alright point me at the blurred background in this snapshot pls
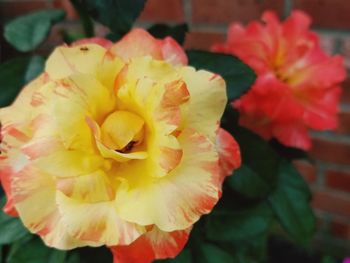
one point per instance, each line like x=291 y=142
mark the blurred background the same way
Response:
x=329 y=175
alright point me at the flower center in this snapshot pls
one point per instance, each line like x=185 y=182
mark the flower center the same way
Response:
x=122 y=130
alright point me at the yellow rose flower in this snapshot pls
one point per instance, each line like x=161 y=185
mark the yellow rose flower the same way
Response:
x=116 y=146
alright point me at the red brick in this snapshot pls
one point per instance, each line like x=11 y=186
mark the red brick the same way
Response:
x=332 y=203
x=16 y=8
x=67 y=6
x=329 y=151
x=163 y=10
x=326 y=13
x=344 y=123
x=307 y=170
x=203 y=40
x=340 y=229
x=345 y=51
x=338 y=180
x=226 y=11
x=345 y=97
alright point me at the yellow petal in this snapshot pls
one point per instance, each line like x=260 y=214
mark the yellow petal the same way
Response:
x=178 y=200
x=55 y=234
x=70 y=101
x=90 y=188
x=34 y=196
x=98 y=223
x=65 y=163
x=111 y=153
x=120 y=128
x=207 y=103
x=65 y=61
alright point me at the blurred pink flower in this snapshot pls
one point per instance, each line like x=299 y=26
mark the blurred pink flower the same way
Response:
x=297 y=86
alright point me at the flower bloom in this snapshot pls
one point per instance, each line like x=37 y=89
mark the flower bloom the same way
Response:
x=116 y=145
x=347 y=260
x=297 y=85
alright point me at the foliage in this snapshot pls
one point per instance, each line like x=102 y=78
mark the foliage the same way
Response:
x=177 y=32
x=27 y=32
x=266 y=191
x=238 y=76
x=15 y=73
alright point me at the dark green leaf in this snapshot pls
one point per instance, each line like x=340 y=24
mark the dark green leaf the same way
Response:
x=11 y=228
x=27 y=32
x=238 y=225
x=177 y=32
x=258 y=175
x=249 y=183
x=73 y=258
x=85 y=19
x=34 y=251
x=112 y=36
x=183 y=257
x=243 y=258
x=35 y=67
x=214 y=254
x=71 y=36
x=328 y=259
x=238 y=76
x=291 y=204
x=253 y=249
x=14 y=74
x=289 y=153
x=118 y=15
x=95 y=254
x=281 y=250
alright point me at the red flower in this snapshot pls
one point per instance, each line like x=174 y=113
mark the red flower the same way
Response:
x=297 y=84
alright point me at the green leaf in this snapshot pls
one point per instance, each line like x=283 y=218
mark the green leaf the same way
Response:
x=71 y=36
x=291 y=204
x=289 y=153
x=259 y=172
x=252 y=249
x=11 y=228
x=249 y=183
x=85 y=19
x=73 y=257
x=15 y=73
x=243 y=258
x=34 y=251
x=238 y=76
x=328 y=259
x=95 y=254
x=27 y=32
x=183 y=257
x=118 y=15
x=226 y=225
x=112 y=36
x=35 y=67
x=178 y=32
x=214 y=254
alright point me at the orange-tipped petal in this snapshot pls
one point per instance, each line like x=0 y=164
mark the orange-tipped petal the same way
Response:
x=155 y=244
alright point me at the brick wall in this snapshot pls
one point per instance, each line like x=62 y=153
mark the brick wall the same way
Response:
x=329 y=176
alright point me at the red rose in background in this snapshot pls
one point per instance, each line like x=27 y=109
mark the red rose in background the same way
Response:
x=297 y=85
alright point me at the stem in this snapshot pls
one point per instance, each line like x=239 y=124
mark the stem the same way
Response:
x=86 y=21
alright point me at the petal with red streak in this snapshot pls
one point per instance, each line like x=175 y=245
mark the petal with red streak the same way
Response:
x=155 y=244
x=229 y=152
